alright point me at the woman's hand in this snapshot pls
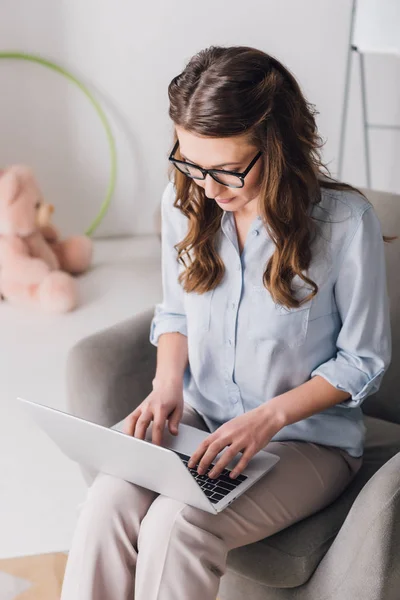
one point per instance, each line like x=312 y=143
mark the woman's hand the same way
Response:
x=164 y=403
x=248 y=433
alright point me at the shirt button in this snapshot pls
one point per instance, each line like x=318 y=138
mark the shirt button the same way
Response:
x=255 y=232
x=233 y=305
x=229 y=342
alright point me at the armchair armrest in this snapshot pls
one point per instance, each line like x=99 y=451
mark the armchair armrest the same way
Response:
x=110 y=372
x=363 y=561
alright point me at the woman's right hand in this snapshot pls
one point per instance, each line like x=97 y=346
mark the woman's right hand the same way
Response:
x=161 y=405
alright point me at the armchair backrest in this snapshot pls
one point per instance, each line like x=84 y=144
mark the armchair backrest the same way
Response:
x=385 y=404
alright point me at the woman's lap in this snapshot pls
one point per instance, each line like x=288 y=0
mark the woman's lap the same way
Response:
x=307 y=478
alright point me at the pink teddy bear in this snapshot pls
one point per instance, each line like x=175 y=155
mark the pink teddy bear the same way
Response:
x=35 y=267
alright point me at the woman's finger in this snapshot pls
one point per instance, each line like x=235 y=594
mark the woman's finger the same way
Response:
x=224 y=460
x=142 y=424
x=158 y=427
x=200 y=451
x=243 y=462
x=210 y=454
x=174 y=419
x=130 y=422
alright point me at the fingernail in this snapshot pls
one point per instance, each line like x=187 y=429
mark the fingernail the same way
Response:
x=233 y=474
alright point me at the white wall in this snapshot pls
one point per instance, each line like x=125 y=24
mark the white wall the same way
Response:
x=377 y=34
x=382 y=75
x=130 y=51
x=377 y=25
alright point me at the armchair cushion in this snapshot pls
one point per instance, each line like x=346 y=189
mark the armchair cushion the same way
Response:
x=289 y=558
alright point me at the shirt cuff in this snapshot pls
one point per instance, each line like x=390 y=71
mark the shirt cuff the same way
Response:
x=167 y=324
x=347 y=378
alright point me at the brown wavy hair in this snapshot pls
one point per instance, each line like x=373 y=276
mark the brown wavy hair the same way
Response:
x=225 y=92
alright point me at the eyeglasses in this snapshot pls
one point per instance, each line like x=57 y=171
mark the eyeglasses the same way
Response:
x=232 y=179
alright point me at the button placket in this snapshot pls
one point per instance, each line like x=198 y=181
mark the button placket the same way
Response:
x=232 y=392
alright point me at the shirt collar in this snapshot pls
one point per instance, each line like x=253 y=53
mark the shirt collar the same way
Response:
x=227 y=218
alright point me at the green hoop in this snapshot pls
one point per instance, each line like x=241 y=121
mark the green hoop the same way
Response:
x=110 y=137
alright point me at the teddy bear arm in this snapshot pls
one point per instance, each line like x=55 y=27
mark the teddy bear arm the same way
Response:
x=50 y=233
x=40 y=248
x=74 y=253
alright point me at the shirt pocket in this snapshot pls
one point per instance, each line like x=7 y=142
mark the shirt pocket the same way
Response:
x=268 y=320
x=198 y=311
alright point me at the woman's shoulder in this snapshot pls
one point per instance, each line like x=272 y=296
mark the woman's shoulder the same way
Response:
x=171 y=215
x=337 y=217
x=342 y=203
x=168 y=200
x=169 y=195
x=339 y=213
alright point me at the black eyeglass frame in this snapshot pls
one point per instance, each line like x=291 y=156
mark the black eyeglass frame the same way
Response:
x=240 y=175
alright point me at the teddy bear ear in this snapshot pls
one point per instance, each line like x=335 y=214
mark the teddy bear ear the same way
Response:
x=23 y=172
x=9 y=185
x=27 y=181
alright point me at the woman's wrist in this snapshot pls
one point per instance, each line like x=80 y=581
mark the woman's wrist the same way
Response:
x=162 y=383
x=274 y=415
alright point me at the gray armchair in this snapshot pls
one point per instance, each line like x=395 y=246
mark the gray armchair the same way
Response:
x=348 y=551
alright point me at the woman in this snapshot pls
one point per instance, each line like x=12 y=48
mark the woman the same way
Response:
x=274 y=327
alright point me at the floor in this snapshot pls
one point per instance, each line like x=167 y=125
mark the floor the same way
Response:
x=33 y=577
x=40 y=489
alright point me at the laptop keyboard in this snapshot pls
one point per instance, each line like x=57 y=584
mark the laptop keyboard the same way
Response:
x=215 y=489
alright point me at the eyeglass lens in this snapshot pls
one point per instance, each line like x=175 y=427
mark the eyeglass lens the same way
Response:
x=225 y=179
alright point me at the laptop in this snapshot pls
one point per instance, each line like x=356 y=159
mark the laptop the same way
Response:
x=162 y=469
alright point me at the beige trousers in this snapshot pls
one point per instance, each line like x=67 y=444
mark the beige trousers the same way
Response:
x=131 y=543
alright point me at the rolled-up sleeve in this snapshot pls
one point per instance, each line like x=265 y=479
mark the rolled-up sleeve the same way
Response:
x=364 y=341
x=169 y=315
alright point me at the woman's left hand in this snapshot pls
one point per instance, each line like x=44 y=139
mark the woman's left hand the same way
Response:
x=248 y=433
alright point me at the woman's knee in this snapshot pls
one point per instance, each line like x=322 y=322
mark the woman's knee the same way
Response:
x=110 y=497
x=161 y=521
x=173 y=521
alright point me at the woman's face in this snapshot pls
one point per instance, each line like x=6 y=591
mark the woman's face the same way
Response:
x=231 y=154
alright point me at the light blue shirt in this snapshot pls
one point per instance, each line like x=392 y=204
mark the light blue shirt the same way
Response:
x=244 y=349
